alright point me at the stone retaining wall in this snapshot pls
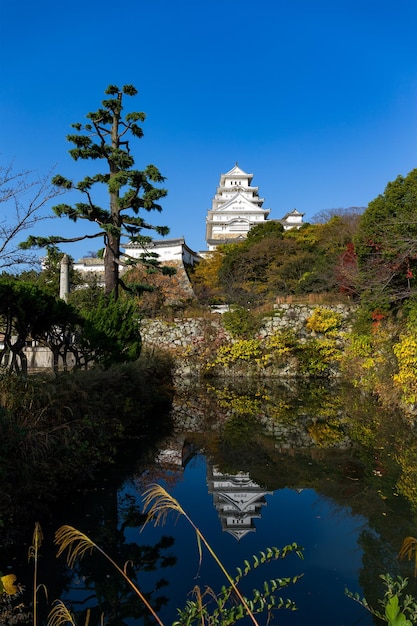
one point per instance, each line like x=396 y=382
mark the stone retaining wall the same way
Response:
x=188 y=339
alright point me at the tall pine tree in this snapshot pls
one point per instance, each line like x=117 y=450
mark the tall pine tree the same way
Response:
x=130 y=191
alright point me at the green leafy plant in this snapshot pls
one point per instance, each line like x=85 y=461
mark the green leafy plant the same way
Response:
x=226 y=611
x=241 y=323
x=318 y=356
x=399 y=609
x=111 y=332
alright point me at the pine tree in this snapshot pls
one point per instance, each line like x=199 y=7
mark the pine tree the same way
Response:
x=130 y=191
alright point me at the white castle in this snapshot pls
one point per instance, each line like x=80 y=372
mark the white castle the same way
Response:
x=237 y=207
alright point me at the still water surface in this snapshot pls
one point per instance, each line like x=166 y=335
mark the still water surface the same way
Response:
x=253 y=467
x=328 y=532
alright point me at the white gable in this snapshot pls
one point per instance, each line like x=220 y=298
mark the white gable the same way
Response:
x=235 y=177
x=238 y=202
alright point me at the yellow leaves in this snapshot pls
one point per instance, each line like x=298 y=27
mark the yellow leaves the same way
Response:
x=206 y=272
x=324 y=320
x=366 y=359
x=8 y=583
x=406 y=350
x=244 y=350
x=409 y=550
x=326 y=433
x=406 y=377
x=315 y=355
x=239 y=404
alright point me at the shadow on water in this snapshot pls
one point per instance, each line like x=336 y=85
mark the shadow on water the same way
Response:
x=254 y=465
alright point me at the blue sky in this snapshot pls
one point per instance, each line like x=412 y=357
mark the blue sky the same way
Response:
x=317 y=99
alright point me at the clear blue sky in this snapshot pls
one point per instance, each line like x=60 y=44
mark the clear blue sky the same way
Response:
x=318 y=99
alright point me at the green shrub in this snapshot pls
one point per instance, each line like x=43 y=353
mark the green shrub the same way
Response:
x=241 y=323
x=317 y=356
x=59 y=430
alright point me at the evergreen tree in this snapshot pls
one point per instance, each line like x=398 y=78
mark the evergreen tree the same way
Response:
x=27 y=312
x=386 y=244
x=130 y=191
x=110 y=333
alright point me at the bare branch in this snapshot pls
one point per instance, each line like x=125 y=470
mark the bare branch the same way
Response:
x=23 y=195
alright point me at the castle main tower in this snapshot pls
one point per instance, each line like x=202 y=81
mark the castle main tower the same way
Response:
x=235 y=208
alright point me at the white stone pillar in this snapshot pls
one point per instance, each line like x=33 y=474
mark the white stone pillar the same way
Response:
x=64 y=283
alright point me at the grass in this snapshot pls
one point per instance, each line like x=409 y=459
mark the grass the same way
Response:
x=227 y=607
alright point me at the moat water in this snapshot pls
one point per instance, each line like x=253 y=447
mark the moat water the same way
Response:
x=254 y=466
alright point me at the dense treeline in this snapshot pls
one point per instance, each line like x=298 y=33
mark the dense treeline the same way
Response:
x=317 y=258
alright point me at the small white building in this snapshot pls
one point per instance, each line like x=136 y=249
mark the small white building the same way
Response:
x=168 y=250
x=93 y=267
x=173 y=251
x=293 y=219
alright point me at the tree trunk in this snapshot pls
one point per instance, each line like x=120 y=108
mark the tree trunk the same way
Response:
x=111 y=266
x=112 y=252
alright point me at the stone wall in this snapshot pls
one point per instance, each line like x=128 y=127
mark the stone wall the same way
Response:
x=189 y=339
x=193 y=341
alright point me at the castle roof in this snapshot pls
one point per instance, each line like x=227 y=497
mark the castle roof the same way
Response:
x=235 y=172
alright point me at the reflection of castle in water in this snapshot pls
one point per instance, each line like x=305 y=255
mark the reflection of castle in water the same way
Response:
x=238 y=500
x=236 y=497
